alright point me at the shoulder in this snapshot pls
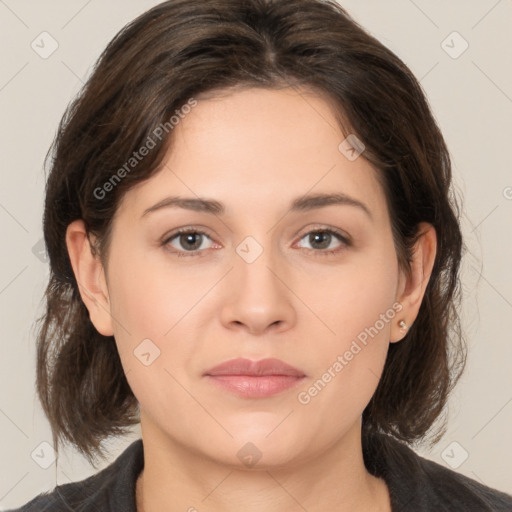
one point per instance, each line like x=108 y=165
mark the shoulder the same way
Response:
x=447 y=486
x=419 y=484
x=113 y=488
x=76 y=496
x=45 y=502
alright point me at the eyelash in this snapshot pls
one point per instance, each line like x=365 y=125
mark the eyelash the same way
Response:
x=337 y=234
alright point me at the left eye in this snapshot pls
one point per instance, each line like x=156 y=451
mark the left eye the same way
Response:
x=322 y=238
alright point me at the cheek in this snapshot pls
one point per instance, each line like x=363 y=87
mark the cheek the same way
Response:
x=151 y=295
x=351 y=296
x=153 y=303
x=150 y=308
x=359 y=306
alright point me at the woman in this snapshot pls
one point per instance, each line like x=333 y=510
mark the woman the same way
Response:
x=254 y=252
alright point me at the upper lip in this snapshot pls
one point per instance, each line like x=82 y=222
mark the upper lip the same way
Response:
x=243 y=366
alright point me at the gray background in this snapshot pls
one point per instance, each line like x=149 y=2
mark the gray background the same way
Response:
x=471 y=95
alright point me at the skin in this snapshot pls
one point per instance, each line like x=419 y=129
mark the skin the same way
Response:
x=255 y=151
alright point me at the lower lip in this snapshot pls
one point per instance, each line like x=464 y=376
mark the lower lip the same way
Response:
x=256 y=387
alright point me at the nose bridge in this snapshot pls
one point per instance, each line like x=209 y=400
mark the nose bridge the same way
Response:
x=264 y=259
x=255 y=268
x=257 y=296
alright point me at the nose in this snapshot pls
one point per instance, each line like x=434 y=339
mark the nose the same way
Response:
x=258 y=297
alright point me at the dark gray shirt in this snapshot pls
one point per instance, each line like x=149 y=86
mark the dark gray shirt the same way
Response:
x=415 y=484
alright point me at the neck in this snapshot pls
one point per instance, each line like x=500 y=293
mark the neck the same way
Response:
x=177 y=479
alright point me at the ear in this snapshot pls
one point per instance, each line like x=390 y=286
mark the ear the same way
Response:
x=412 y=286
x=90 y=276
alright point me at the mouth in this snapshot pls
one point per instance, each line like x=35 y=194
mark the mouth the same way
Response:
x=255 y=379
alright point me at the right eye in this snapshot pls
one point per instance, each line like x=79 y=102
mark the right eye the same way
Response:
x=190 y=240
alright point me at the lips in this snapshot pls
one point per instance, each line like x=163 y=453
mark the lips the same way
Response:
x=260 y=368
x=255 y=379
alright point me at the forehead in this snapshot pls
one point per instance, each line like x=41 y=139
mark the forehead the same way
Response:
x=258 y=146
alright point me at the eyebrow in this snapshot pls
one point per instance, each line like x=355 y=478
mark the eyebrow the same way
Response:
x=300 y=204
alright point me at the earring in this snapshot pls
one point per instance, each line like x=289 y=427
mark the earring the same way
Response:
x=402 y=325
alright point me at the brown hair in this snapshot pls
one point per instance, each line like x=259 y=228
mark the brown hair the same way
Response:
x=182 y=49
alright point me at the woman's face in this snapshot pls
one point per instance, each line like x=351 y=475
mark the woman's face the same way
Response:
x=265 y=280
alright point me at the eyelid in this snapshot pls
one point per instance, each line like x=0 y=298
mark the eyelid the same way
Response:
x=330 y=229
x=186 y=229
